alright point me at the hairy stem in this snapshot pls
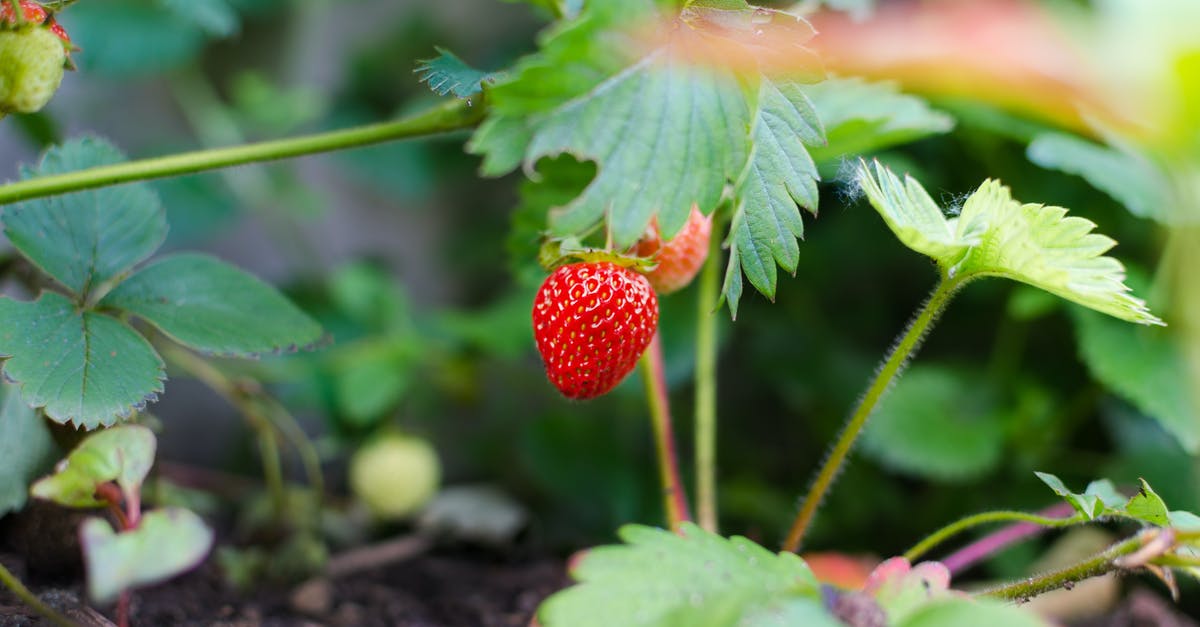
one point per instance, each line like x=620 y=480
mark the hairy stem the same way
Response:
x=447 y=116
x=674 y=499
x=706 y=389
x=1094 y=566
x=990 y=544
x=909 y=342
x=18 y=589
x=959 y=526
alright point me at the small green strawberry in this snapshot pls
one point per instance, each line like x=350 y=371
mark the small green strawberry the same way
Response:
x=32 y=60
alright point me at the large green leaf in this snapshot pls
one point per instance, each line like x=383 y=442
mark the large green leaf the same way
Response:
x=1129 y=178
x=166 y=543
x=213 y=307
x=88 y=238
x=956 y=612
x=939 y=422
x=1145 y=366
x=998 y=236
x=862 y=117
x=26 y=448
x=84 y=368
x=122 y=455
x=656 y=575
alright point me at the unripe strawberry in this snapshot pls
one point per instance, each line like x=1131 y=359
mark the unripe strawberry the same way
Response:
x=592 y=321
x=31 y=13
x=395 y=475
x=680 y=258
x=31 y=68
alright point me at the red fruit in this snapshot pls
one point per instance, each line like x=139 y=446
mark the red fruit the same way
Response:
x=34 y=13
x=679 y=259
x=592 y=321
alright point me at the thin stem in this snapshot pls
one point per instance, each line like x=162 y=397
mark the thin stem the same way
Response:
x=1094 y=566
x=909 y=342
x=706 y=389
x=123 y=603
x=268 y=445
x=992 y=543
x=15 y=586
x=957 y=527
x=448 y=116
x=674 y=499
x=309 y=457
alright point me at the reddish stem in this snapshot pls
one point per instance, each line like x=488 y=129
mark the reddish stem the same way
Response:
x=993 y=543
x=127 y=518
x=675 y=500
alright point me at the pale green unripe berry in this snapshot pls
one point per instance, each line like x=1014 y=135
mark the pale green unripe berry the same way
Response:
x=31 y=68
x=395 y=475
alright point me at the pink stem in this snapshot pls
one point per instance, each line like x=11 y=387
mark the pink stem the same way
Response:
x=991 y=544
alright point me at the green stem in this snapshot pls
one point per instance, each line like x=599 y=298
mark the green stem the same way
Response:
x=957 y=527
x=309 y=457
x=706 y=388
x=14 y=585
x=447 y=116
x=1094 y=566
x=674 y=499
x=909 y=342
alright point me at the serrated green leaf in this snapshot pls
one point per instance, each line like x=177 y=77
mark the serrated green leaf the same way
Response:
x=167 y=542
x=122 y=454
x=1145 y=366
x=862 y=117
x=956 y=612
x=214 y=17
x=26 y=446
x=446 y=73
x=778 y=175
x=85 y=239
x=558 y=181
x=998 y=236
x=213 y=307
x=1130 y=179
x=85 y=368
x=657 y=573
x=1147 y=506
x=938 y=422
x=1089 y=505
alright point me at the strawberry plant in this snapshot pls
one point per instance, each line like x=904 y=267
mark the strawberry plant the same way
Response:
x=671 y=158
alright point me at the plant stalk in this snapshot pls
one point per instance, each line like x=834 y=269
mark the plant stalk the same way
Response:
x=904 y=350
x=447 y=116
x=674 y=499
x=27 y=597
x=957 y=527
x=992 y=543
x=1094 y=566
x=706 y=389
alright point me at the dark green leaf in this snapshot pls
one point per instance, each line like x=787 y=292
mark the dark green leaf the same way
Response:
x=1129 y=178
x=1143 y=365
x=214 y=17
x=656 y=575
x=447 y=74
x=213 y=307
x=166 y=543
x=938 y=422
x=122 y=454
x=80 y=367
x=26 y=448
x=86 y=239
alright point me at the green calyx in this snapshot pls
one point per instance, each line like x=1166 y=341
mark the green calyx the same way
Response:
x=560 y=252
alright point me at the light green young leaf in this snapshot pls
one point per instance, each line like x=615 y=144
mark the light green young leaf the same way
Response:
x=998 y=236
x=85 y=239
x=938 y=422
x=213 y=307
x=1147 y=506
x=122 y=454
x=1130 y=179
x=657 y=574
x=84 y=368
x=956 y=612
x=26 y=446
x=1097 y=500
x=446 y=73
x=862 y=117
x=1146 y=367
x=167 y=542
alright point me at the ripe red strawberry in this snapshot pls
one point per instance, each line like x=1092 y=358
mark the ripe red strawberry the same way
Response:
x=592 y=321
x=679 y=259
x=33 y=12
